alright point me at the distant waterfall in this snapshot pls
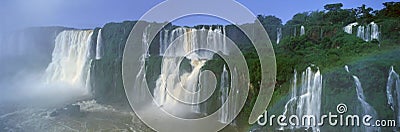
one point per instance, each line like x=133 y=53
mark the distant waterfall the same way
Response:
x=302 y=30
x=192 y=38
x=15 y=44
x=365 y=107
x=231 y=105
x=367 y=33
x=361 y=32
x=99 y=45
x=374 y=31
x=307 y=99
x=278 y=35
x=146 y=41
x=71 y=59
x=349 y=28
x=393 y=89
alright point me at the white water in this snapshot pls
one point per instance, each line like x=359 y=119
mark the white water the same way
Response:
x=99 y=46
x=146 y=41
x=374 y=31
x=302 y=30
x=182 y=42
x=278 y=35
x=366 y=109
x=224 y=90
x=367 y=33
x=193 y=38
x=393 y=89
x=349 y=28
x=306 y=100
x=71 y=60
x=346 y=68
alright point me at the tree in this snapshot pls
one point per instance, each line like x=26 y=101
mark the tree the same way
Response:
x=269 y=20
x=336 y=14
x=364 y=15
x=299 y=19
x=392 y=9
x=333 y=7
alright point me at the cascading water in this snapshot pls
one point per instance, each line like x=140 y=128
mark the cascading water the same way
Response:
x=374 y=31
x=306 y=100
x=366 y=109
x=146 y=41
x=393 y=89
x=295 y=32
x=71 y=60
x=349 y=28
x=278 y=35
x=194 y=39
x=302 y=30
x=367 y=33
x=289 y=108
x=179 y=43
x=99 y=45
x=360 y=32
x=224 y=90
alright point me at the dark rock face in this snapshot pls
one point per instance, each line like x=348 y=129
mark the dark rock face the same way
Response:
x=106 y=80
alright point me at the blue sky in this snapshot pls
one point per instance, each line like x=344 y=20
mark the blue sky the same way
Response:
x=96 y=13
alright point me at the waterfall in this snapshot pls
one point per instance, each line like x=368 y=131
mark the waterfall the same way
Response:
x=306 y=100
x=193 y=38
x=360 y=32
x=289 y=108
x=302 y=30
x=99 y=45
x=366 y=109
x=224 y=90
x=71 y=59
x=295 y=32
x=278 y=35
x=367 y=33
x=374 y=31
x=393 y=89
x=347 y=68
x=15 y=44
x=349 y=28
x=177 y=44
x=146 y=41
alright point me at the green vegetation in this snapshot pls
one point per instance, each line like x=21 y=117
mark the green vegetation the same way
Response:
x=325 y=44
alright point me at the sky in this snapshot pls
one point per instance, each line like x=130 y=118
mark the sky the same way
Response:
x=95 y=13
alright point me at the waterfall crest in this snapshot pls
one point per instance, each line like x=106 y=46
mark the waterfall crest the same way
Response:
x=193 y=38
